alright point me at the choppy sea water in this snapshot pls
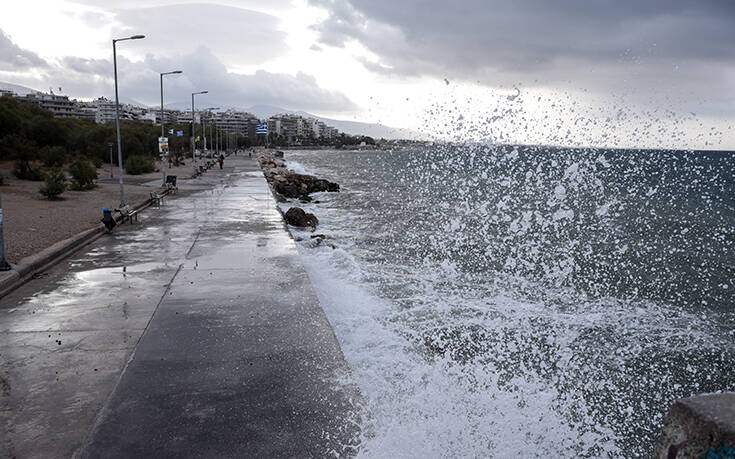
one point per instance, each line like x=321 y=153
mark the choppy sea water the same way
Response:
x=525 y=301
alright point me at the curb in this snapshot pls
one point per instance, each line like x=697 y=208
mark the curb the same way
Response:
x=46 y=258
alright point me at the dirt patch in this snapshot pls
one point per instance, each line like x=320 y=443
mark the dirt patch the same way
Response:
x=31 y=222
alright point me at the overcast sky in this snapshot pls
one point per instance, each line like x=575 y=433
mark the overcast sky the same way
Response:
x=575 y=72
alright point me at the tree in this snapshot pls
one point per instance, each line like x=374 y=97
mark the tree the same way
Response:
x=54 y=183
x=83 y=174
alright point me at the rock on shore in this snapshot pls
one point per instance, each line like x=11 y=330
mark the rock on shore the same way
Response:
x=297 y=217
x=288 y=183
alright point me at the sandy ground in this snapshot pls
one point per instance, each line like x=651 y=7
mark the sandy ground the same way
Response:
x=31 y=222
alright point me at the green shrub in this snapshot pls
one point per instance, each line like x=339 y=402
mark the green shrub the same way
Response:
x=52 y=156
x=136 y=165
x=98 y=163
x=54 y=183
x=25 y=171
x=83 y=174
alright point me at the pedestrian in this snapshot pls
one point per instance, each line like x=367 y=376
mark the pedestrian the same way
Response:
x=221 y=160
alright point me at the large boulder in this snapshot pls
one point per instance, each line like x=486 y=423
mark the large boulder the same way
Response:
x=296 y=216
x=288 y=189
x=312 y=184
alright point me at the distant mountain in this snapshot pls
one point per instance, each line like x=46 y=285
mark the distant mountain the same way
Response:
x=16 y=88
x=266 y=111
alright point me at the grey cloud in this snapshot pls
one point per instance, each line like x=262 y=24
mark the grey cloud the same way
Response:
x=271 y=5
x=237 y=36
x=14 y=58
x=139 y=80
x=86 y=66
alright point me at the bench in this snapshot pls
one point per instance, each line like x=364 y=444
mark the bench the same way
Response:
x=171 y=184
x=156 y=199
x=127 y=213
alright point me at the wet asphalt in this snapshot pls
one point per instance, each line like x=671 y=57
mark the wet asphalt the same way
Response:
x=192 y=333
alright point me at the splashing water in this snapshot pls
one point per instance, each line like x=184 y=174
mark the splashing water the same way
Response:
x=530 y=301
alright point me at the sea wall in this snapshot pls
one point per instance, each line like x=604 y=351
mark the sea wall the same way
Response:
x=699 y=427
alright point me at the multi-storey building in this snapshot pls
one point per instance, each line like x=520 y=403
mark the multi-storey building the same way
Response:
x=59 y=105
x=274 y=126
x=169 y=116
x=242 y=123
x=296 y=128
x=105 y=110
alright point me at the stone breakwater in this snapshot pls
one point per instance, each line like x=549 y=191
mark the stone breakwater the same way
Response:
x=288 y=184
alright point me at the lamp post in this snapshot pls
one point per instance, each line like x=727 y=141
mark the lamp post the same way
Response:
x=193 y=132
x=163 y=132
x=110 y=144
x=4 y=265
x=204 y=130
x=117 y=111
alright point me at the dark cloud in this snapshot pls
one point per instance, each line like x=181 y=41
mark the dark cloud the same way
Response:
x=14 y=58
x=535 y=39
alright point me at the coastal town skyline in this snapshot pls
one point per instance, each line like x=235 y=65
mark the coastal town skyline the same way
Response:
x=653 y=86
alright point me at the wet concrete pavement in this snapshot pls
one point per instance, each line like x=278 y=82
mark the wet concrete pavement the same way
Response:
x=195 y=332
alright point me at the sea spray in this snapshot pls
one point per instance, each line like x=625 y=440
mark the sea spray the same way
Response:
x=526 y=300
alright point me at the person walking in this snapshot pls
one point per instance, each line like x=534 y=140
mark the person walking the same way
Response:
x=221 y=160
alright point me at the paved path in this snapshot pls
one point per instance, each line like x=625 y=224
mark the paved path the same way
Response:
x=194 y=333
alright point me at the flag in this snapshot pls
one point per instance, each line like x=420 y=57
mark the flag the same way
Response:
x=179 y=133
x=262 y=129
x=170 y=131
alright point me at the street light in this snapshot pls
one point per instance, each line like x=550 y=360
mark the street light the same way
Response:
x=204 y=130
x=110 y=144
x=4 y=265
x=193 y=132
x=163 y=132
x=117 y=112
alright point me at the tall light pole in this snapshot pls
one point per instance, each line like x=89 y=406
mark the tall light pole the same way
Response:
x=110 y=144
x=163 y=132
x=193 y=132
x=117 y=112
x=4 y=265
x=203 y=122
x=204 y=129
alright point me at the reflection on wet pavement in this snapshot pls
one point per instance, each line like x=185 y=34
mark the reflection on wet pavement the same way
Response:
x=210 y=290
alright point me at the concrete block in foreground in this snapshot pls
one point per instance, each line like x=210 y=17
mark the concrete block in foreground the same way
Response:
x=699 y=427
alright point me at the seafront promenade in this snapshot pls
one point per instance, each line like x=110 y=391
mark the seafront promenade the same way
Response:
x=194 y=332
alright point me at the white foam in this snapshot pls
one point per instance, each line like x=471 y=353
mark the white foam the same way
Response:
x=297 y=167
x=428 y=406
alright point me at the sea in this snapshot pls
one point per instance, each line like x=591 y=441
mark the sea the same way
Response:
x=524 y=301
